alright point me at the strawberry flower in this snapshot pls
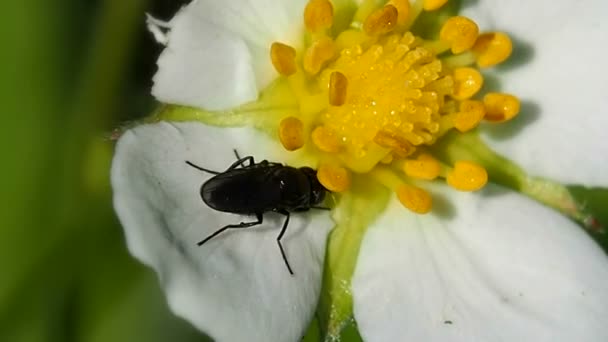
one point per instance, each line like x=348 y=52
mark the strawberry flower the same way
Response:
x=384 y=100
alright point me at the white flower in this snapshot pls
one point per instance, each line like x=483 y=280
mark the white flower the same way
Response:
x=486 y=266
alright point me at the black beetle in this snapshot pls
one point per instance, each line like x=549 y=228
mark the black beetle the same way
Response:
x=251 y=188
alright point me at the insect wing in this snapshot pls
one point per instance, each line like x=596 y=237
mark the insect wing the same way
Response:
x=241 y=191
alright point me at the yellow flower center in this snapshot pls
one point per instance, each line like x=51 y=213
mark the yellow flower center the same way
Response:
x=374 y=97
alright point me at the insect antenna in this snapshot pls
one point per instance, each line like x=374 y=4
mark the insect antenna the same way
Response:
x=202 y=168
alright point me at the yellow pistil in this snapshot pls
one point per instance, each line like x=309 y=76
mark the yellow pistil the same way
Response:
x=318 y=54
x=424 y=167
x=431 y=5
x=467 y=176
x=467 y=82
x=460 y=32
x=325 y=139
x=381 y=21
x=338 y=84
x=374 y=98
x=500 y=107
x=318 y=15
x=470 y=115
x=415 y=199
x=291 y=133
x=492 y=48
x=334 y=178
x=283 y=58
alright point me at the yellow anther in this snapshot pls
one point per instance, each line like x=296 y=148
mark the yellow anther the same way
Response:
x=470 y=115
x=318 y=15
x=283 y=58
x=400 y=147
x=325 y=139
x=492 y=48
x=500 y=107
x=381 y=21
x=415 y=199
x=403 y=8
x=291 y=133
x=334 y=178
x=338 y=84
x=431 y=5
x=467 y=176
x=424 y=167
x=317 y=55
x=467 y=82
x=460 y=32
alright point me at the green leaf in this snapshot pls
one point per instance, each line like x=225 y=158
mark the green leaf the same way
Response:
x=594 y=204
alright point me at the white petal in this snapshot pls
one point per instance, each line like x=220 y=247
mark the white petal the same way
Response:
x=558 y=71
x=487 y=267
x=235 y=287
x=218 y=54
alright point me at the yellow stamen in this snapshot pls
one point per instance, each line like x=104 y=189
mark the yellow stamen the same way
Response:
x=387 y=159
x=349 y=38
x=401 y=147
x=424 y=167
x=501 y=107
x=492 y=48
x=460 y=32
x=325 y=139
x=431 y=5
x=377 y=95
x=470 y=115
x=318 y=15
x=334 y=178
x=318 y=54
x=338 y=84
x=381 y=21
x=283 y=58
x=467 y=176
x=403 y=8
x=291 y=133
x=415 y=199
x=467 y=82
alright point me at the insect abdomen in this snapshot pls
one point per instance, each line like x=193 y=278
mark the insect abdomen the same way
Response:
x=238 y=193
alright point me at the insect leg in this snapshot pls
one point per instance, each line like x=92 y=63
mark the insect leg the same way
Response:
x=320 y=208
x=260 y=218
x=241 y=162
x=285 y=224
x=236 y=153
x=202 y=169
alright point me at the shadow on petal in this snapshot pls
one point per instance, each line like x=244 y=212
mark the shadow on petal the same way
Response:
x=529 y=113
x=442 y=207
x=523 y=53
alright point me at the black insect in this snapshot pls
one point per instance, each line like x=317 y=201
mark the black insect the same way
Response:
x=251 y=188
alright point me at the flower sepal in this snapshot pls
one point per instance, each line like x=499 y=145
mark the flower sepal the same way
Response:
x=581 y=204
x=355 y=211
x=264 y=113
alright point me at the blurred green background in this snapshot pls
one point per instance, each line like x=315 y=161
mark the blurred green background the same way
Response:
x=71 y=72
